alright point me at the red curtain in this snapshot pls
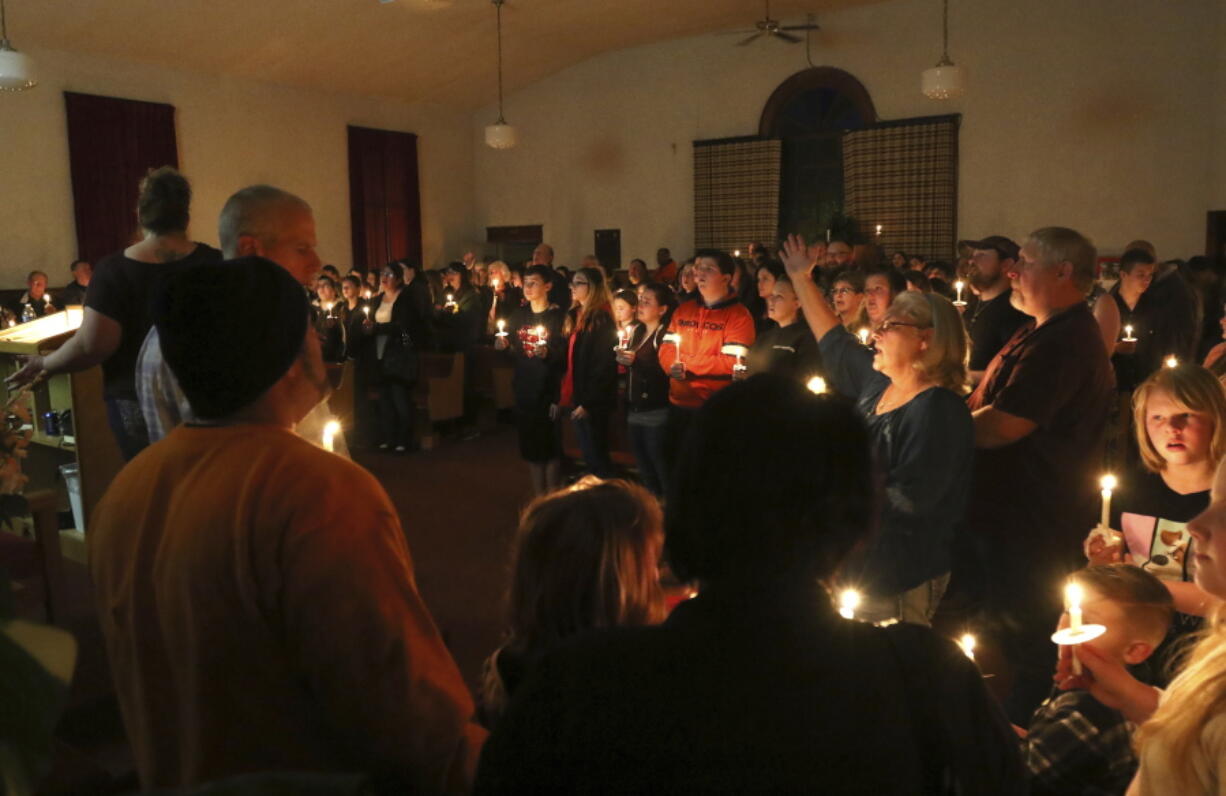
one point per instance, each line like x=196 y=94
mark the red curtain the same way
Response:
x=112 y=144
x=384 y=204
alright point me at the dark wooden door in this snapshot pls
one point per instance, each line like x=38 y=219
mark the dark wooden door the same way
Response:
x=609 y=249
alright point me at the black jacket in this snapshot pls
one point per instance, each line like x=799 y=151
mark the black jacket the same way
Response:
x=753 y=693
x=536 y=381
x=646 y=382
x=595 y=364
x=461 y=327
x=790 y=351
x=404 y=319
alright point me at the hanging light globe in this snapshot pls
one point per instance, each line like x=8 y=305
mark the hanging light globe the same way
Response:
x=16 y=69
x=944 y=81
x=500 y=135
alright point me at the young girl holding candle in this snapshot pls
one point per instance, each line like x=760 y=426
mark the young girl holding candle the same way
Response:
x=647 y=386
x=1179 y=417
x=535 y=340
x=1182 y=738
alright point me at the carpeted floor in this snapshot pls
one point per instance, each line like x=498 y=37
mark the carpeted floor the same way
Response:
x=459 y=505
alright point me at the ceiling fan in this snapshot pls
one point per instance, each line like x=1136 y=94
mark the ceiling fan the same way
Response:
x=772 y=27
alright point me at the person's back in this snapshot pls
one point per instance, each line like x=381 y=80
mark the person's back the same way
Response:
x=757 y=685
x=226 y=561
x=778 y=695
x=256 y=592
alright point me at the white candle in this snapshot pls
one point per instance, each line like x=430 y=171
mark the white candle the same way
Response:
x=622 y=336
x=879 y=230
x=502 y=328
x=367 y=311
x=967 y=643
x=817 y=385
x=849 y=601
x=542 y=334
x=958 y=286
x=331 y=429
x=827 y=234
x=863 y=333
x=736 y=253
x=1107 y=483
x=1072 y=596
x=1128 y=333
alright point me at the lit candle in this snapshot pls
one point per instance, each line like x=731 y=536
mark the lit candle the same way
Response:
x=736 y=253
x=849 y=601
x=1108 y=483
x=1172 y=362
x=331 y=429
x=863 y=333
x=366 y=294
x=958 y=287
x=879 y=230
x=542 y=334
x=502 y=328
x=367 y=311
x=817 y=385
x=1072 y=597
x=1128 y=338
x=967 y=643
x=827 y=234
x=622 y=336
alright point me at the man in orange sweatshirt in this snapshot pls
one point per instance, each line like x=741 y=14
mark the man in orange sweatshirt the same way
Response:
x=704 y=339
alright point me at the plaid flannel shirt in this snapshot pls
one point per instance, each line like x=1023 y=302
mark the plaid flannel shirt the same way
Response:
x=1076 y=745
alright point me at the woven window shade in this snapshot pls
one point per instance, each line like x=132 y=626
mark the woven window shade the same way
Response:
x=736 y=193
x=904 y=176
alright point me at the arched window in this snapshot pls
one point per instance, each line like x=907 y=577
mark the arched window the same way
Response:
x=810 y=111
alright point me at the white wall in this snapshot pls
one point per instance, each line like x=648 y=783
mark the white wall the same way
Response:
x=1091 y=114
x=231 y=133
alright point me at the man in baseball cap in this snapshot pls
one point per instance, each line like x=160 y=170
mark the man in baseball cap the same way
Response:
x=992 y=319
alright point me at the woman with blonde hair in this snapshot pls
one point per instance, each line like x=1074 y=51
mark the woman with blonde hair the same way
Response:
x=589 y=389
x=585 y=559
x=1179 y=418
x=910 y=388
x=505 y=297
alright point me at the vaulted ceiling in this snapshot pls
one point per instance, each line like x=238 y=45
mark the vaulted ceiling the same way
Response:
x=440 y=51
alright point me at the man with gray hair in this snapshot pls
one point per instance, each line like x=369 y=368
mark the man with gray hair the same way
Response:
x=1040 y=414
x=259 y=220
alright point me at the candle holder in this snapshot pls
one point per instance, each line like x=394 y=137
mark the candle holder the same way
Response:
x=1076 y=636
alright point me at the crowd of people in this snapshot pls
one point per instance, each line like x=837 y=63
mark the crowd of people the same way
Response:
x=833 y=451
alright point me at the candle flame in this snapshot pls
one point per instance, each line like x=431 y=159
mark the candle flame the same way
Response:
x=1072 y=595
x=1172 y=362
x=736 y=253
x=849 y=601
x=878 y=229
x=501 y=324
x=817 y=385
x=959 y=285
x=967 y=643
x=1107 y=481
x=863 y=333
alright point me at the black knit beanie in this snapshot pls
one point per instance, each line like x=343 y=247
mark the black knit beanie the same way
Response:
x=229 y=331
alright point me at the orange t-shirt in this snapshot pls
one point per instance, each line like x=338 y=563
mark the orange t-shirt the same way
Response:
x=260 y=614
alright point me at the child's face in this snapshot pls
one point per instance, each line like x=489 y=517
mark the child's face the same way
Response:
x=1122 y=641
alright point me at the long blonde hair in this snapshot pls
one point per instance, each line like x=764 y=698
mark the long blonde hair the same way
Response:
x=945 y=360
x=1193 y=388
x=599 y=302
x=1194 y=698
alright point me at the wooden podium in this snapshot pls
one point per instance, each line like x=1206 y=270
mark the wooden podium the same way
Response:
x=91 y=445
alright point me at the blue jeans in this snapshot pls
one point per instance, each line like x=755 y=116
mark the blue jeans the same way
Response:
x=647 y=431
x=592 y=432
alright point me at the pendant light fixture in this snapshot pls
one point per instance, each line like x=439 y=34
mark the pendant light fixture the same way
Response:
x=16 y=70
x=499 y=135
x=945 y=80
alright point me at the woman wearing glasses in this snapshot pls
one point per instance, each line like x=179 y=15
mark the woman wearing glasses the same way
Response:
x=909 y=388
x=589 y=389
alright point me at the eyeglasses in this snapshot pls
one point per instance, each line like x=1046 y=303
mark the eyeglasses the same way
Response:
x=886 y=326
x=843 y=291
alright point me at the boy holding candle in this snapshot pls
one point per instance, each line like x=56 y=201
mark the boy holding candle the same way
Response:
x=1076 y=745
